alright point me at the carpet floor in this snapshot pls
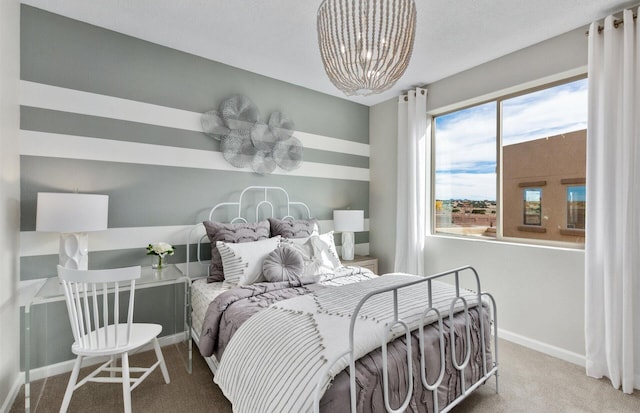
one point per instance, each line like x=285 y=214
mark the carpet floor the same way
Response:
x=529 y=382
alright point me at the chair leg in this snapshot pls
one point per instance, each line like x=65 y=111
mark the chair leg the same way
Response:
x=114 y=364
x=126 y=383
x=163 y=366
x=72 y=384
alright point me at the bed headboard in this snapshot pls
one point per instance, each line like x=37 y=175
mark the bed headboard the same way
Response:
x=251 y=198
x=266 y=194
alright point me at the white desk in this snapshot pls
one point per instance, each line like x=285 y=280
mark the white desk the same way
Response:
x=51 y=291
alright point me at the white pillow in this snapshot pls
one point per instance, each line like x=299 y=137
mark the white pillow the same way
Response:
x=319 y=254
x=242 y=262
x=327 y=238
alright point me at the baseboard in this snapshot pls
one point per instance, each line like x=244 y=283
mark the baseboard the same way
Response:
x=67 y=366
x=545 y=348
x=13 y=393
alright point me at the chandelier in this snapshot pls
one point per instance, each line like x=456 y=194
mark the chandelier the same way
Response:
x=366 y=45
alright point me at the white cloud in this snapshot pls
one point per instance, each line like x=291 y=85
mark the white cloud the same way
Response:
x=465 y=146
x=545 y=113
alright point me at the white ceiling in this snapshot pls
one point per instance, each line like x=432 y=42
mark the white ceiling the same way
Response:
x=277 y=38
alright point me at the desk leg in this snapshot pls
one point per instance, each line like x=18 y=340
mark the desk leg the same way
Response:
x=27 y=357
x=187 y=321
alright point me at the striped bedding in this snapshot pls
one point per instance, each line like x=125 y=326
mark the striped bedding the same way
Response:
x=225 y=314
x=278 y=355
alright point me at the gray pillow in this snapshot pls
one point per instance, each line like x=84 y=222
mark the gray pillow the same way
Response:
x=293 y=228
x=283 y=264
x=231 y=233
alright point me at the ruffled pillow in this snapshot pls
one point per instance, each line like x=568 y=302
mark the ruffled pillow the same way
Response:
x=293 y=228
x=231 y=233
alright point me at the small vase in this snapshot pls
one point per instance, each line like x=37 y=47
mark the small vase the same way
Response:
x=159 y=262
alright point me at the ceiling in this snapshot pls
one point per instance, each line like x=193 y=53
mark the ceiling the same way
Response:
x=277 y=38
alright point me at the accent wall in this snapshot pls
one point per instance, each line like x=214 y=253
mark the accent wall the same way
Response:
x=102 y=112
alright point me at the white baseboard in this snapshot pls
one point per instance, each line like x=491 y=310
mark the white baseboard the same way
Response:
x=13 y=393
x=67 y=366
x=545 y=348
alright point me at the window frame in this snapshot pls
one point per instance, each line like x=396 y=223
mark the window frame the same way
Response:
x=498 y=98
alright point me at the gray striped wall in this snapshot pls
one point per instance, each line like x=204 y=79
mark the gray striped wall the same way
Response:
x=102 y=112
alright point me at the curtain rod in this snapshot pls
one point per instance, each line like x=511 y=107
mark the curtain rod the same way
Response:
x=616 y=23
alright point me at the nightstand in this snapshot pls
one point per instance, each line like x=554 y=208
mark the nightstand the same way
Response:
x=365 y=261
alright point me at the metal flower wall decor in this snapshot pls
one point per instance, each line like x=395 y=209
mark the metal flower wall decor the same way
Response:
x=245 y=141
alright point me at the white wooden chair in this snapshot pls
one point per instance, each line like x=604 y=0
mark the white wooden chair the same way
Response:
x=86 y=293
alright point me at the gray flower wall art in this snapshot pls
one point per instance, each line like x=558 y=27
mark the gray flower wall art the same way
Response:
x=245 y=141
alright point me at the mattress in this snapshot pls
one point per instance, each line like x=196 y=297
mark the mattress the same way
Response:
x=202 y=293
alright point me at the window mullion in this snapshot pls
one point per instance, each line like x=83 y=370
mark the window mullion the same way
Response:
x=499 y=202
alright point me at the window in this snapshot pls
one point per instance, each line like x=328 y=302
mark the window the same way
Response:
x=576 y=202
x=465 y=165
x=532 y=206
x=493 y=160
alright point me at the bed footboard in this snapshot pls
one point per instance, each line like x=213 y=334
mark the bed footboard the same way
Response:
x=458 y=351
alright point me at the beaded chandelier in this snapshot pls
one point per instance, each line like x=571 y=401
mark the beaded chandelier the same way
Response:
x=366 y=45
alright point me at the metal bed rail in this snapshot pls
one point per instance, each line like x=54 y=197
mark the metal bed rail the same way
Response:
x=487 y=371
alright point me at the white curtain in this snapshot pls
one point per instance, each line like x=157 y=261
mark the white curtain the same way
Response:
x=412 y=187
x=612 y=251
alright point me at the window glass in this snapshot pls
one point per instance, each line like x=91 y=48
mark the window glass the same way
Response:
x=532 y=206
x=465 y=171
x=576 y=207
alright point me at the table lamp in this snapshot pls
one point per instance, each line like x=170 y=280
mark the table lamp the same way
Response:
x=347 y=222
x=72 y=215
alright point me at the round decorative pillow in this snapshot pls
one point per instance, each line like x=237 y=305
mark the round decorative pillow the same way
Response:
x=283 y=264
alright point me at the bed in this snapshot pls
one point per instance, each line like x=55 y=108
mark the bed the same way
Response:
x=333 y=338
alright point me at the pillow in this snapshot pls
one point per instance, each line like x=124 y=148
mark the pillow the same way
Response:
x=231 y=233
x=318 y=253
x=328 y=240
x=293 y=228
x=283 y=264
x=242 y=262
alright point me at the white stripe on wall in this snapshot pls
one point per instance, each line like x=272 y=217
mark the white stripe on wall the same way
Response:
x=34 y=243
x=44 y=96
x=56 y=145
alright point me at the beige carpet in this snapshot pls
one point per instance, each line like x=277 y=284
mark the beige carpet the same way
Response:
x=529 y=382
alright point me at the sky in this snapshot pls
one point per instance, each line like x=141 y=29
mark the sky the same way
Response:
x=465 y=141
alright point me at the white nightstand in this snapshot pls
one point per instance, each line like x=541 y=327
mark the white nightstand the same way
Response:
x=365 y=261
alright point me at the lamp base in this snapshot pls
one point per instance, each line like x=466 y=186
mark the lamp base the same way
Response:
x=74 y=250
x=348 y=253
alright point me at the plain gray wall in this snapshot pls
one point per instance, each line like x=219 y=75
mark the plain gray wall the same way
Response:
x=539 y=290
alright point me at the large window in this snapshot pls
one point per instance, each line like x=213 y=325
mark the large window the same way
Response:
x=494 y=161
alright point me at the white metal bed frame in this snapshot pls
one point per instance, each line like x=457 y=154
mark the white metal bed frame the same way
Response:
x=487 y=371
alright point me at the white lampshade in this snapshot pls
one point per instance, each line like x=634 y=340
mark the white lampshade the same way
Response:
x=348 y=220
x=70 y=212
x=72 y=215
